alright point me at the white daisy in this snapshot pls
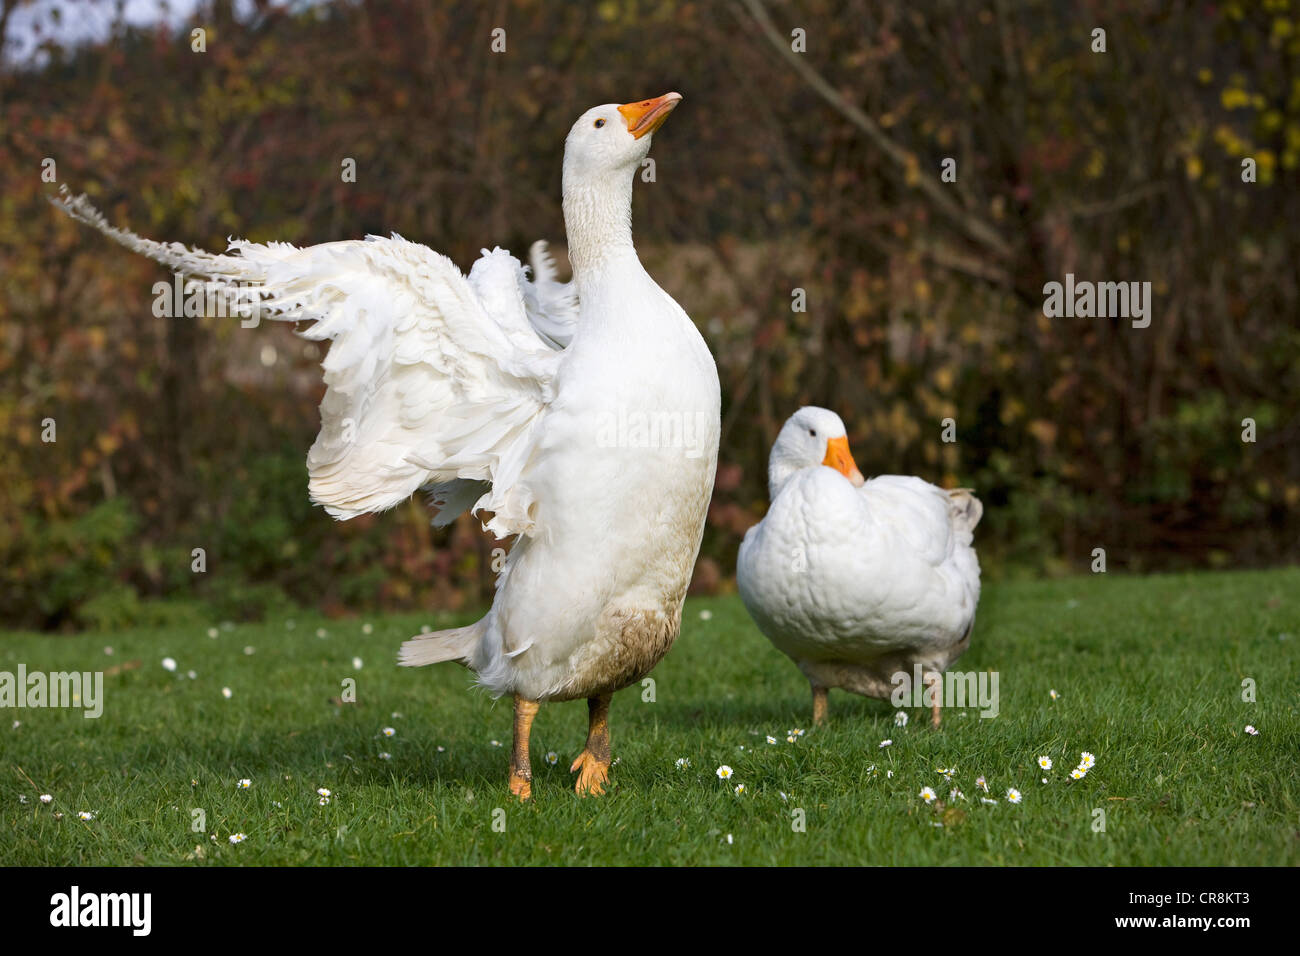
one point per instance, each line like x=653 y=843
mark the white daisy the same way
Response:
x=900 y=719
x=928 y=795
x=46 y=798
x=367 y=628
x=169 y=663
x=740 y=788
x=1252 y=731
x=226 y=693
x=681 y=762
x=213 y=632
x=237 y=838
x=1013 y=795
x=1078 y=773
x=886 y=743
x=86 y=815
x=724 y=772
x=385 y=755
x=323 y=792
x=771 y=739
x=982 y=784
x=356 y=663
x=244 y=784
x=389 y=731
x=706 y=615
x=1053 y=694
x=1086 y=761
x=1045 y=763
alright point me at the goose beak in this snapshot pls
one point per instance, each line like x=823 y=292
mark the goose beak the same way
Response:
x=647 y=116
x=839 y=458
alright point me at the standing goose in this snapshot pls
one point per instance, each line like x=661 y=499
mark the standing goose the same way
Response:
x=855 y=580
x=497 y=394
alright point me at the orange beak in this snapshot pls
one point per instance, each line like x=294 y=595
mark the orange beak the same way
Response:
x=647 y=116
x=839 y=458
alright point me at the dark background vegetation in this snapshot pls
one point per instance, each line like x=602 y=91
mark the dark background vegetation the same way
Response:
x=817 y=171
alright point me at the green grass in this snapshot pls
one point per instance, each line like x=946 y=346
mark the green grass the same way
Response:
x=1149 y=672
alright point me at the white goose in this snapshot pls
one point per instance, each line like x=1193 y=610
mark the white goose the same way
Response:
x=858 y=581
x=455 y=385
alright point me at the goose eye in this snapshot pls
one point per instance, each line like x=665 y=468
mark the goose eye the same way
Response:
x=813 y=432
x=599 y=123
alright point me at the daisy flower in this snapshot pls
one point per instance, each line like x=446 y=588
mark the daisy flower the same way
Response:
x=357 y=663
x=244 y=784
x=900 y=719
x=928 y=795
x=740 y=788
x=1078 y=773
x=213 y=632
x=681 y=763
x=982 y=784
x=948 y=772
x=367 y=628
x=324 y=801
x=954 y=795
x=706 y=615
x=790 y=739
x=886 y=743
x=225 y=692
x=724 y=772
x=169 y=664
x=1045 y=763
x=46 y=798
x=389 y=731
x=1013 y=795
x=987 y=800
x=1252 y=731
x=771 y=739
x=1053 y=694
x=237 y=838
x=552 y=758
x=1086 y=761
x=323 y=792
x=385 y=755
x=85 y=815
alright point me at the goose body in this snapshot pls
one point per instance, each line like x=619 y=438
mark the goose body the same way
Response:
x=858 y=581
x=503 y=393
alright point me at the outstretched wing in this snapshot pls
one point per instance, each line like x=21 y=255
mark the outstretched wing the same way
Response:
x=432 y=380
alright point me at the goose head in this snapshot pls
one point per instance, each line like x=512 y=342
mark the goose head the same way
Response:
x=604 y=149
x=811 y=436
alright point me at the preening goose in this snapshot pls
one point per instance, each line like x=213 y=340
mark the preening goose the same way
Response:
x=855 y=580
x=512 y=397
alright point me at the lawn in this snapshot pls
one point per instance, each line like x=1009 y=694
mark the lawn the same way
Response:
x=1148 y=672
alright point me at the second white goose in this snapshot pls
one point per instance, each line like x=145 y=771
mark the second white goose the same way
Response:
x=857 y=581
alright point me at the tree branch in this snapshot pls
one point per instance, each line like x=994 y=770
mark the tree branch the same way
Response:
x=973 y=226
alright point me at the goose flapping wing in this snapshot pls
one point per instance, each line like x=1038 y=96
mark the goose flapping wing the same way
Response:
x=433 y=380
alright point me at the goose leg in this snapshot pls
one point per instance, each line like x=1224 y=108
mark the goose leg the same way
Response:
x=932 y=679
x=594 y=759
x=521 y=770
x=820 y=705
